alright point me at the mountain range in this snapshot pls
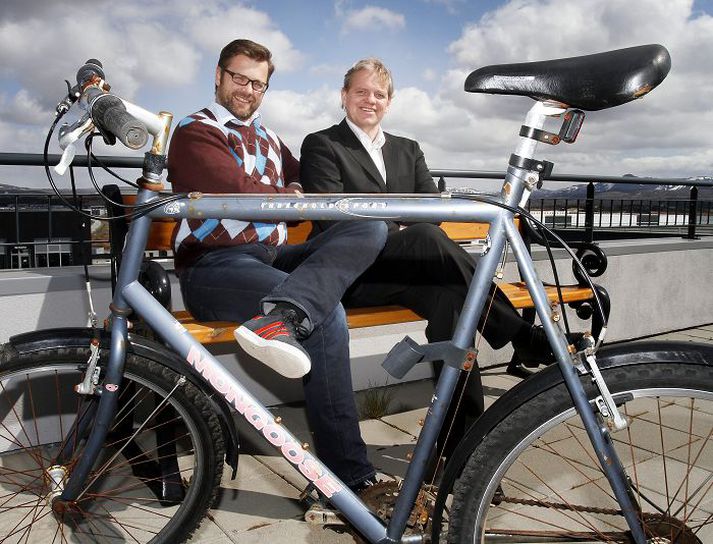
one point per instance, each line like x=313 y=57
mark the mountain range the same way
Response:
x=628 y=191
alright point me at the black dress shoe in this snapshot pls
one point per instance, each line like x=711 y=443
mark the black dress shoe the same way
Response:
x=535 y=350
x=515 y=368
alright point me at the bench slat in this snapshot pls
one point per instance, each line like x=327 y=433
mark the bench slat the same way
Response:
x=216 y=332
x=520 y=298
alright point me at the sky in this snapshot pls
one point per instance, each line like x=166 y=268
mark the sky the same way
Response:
x=162 y=56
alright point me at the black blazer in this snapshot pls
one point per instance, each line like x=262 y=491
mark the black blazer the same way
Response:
x=333 y=160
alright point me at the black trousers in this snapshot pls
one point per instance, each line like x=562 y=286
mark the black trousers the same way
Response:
x=420 y=268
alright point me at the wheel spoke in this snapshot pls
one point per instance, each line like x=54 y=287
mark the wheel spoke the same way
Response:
x=160 y=432
x=554 y=489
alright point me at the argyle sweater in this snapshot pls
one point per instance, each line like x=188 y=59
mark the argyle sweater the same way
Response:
x=213 y=152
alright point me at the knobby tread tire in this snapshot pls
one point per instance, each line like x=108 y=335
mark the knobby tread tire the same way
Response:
x=12 y=360
x=480 y=470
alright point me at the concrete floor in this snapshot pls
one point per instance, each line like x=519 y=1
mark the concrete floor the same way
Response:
x=261 y=505
x=266 y=509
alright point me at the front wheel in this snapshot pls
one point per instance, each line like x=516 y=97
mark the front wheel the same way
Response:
x=535 y=477
x=155 y=479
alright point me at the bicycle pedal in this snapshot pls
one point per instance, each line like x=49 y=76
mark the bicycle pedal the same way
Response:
x=318 y=514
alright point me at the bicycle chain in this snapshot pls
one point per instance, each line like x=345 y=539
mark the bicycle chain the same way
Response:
x=658 y=522
x=561 y=506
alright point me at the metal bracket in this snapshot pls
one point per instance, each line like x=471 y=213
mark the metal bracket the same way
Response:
x=500 y=271
x=539 y=135
x=91 y=375
x=408 y=353
x=488 y=243
x=571 y=124
x=542 y=168
x=605 y=402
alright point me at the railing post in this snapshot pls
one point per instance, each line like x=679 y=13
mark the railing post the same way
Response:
x=589 y=214
x=17 y=219
x=442 y=184
x=692 y=209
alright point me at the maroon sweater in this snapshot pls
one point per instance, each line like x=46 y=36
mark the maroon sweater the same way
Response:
x=213 y=152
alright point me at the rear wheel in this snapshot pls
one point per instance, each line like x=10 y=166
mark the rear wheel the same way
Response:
x=536 y=478
x=154 y=480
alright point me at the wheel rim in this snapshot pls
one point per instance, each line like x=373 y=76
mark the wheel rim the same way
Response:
x=38 y=409
x=555 y=492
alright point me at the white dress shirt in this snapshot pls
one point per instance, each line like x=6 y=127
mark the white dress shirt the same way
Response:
x=373 y=147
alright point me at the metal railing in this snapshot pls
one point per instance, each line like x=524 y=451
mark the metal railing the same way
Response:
x=574 y=218
x=580 y=218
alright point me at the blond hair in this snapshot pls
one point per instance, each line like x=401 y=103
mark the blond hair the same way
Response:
x=372 y=64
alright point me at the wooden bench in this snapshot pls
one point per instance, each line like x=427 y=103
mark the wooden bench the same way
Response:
x=215 y=332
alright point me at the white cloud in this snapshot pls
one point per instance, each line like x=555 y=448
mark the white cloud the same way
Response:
x=452 y=6
x=652 y=136
x=23 y=109
x=429 y=74
x=571 y=28
x=666 y=133
x=371 y=18
x=211 y=27
x=294 y=115
x=146 y=46
x=330 y=70
x=135 y=53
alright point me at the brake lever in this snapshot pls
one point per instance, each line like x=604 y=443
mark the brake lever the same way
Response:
x=68 y=135
x=73 y=95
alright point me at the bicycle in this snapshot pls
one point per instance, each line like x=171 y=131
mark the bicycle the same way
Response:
x=109 y=436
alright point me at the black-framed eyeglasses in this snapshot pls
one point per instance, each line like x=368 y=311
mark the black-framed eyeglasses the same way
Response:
x=239 y=79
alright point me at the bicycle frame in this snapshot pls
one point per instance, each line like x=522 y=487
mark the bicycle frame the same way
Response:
x=516 y=189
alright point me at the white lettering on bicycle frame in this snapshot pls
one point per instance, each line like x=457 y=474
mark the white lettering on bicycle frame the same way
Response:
x=265 y=423
x=172 y=208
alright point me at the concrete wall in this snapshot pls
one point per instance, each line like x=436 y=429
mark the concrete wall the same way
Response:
x=655 y=287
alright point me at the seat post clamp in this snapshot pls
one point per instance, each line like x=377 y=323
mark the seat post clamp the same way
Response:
x=542 y=168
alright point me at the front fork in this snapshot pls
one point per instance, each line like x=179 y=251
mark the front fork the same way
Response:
x=105 y=412
x=110 y=389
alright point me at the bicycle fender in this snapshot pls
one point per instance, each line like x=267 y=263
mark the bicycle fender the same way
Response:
x=143 y=347
x=623 y=354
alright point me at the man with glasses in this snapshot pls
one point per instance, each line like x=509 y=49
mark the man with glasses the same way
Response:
x=231 y=270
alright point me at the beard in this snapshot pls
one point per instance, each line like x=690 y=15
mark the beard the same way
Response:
x=242 y=107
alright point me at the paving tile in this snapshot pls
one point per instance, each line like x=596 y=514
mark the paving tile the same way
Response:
x=378 y=433
x=407 y=422
x=210 y=533
x=256 y=497
x=490 y=400
x=291 y=532
x=281 y=466
x=497 y=384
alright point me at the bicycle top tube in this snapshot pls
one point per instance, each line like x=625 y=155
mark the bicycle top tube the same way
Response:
x=330 y=207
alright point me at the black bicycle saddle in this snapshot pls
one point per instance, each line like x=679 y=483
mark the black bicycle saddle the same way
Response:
x=590 y=82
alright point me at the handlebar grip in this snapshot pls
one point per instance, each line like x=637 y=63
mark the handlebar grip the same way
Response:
x=90 y=69
x=109 y=113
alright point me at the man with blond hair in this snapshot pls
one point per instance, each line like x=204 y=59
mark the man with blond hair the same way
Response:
x=420 y=267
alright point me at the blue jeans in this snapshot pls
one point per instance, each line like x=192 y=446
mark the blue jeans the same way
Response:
x=232 y=284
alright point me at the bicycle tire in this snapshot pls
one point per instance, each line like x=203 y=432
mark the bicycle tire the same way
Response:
x=535 y=477
x=125 y=497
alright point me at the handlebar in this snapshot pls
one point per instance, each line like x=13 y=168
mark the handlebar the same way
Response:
x=109 y=114
x=112 y=115
x=106 y=110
